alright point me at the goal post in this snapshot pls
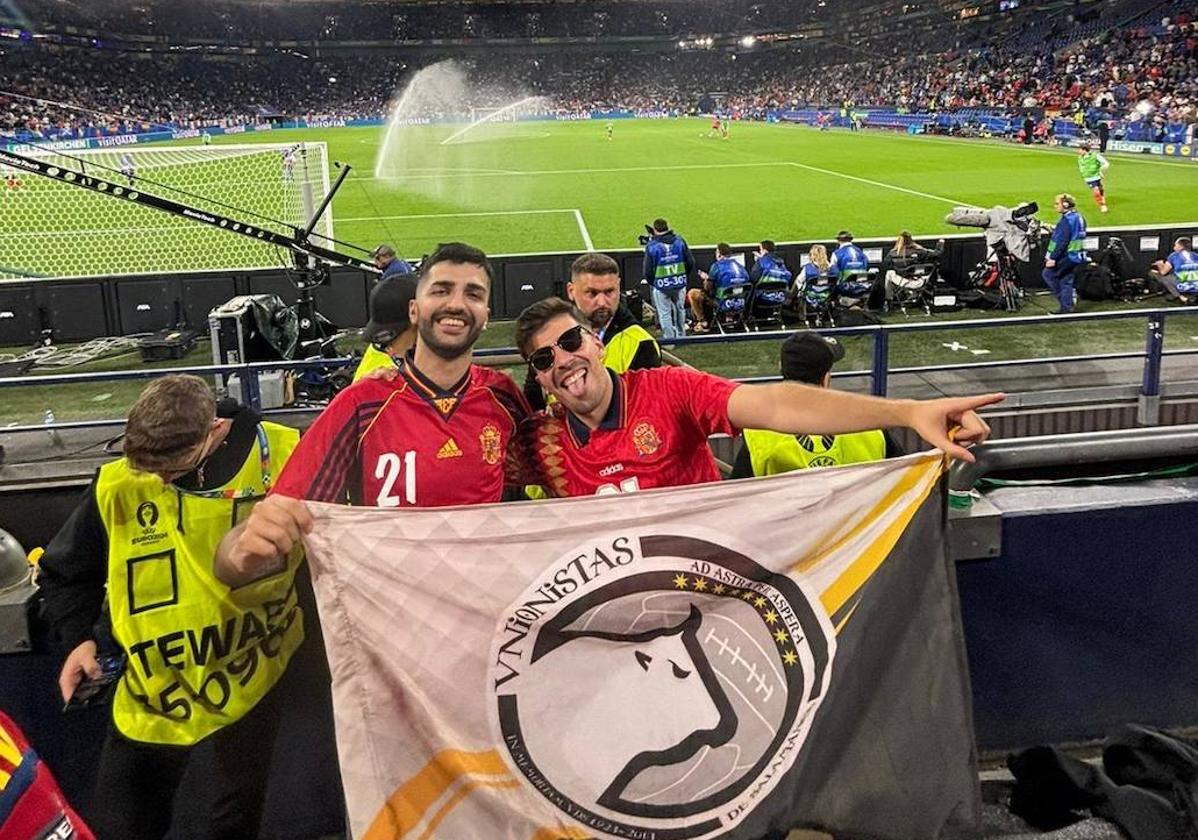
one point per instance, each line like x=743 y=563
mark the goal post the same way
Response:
x=55 y=229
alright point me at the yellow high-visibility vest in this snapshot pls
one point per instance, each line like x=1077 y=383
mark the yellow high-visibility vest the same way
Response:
x=200 y=655
x=773 y=452
x=372 y=359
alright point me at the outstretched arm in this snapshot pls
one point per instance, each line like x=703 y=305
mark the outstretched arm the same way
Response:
x=793 y=408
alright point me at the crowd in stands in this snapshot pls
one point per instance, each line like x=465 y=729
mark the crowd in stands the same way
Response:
x=333 y=20
x=1144 y=70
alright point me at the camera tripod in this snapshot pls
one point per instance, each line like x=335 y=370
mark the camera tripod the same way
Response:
x=999 y=275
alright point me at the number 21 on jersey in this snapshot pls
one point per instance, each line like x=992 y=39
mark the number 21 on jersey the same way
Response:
x=398 y=476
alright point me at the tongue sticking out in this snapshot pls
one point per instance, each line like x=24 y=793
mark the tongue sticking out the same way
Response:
x=574 y=383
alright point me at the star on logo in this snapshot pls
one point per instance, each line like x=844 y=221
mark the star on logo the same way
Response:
x=780 y=636
x=680 y=581
x=718 y=589
x=759 y=602
x=747 y=595
x=700 y=585
x=771 y=617
x=790 y=657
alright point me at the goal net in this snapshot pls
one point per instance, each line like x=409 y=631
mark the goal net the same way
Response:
x=54 y=229
x=497 y=123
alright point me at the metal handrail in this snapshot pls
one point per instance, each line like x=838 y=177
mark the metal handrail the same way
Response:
x=879 y=373
x=1075 y=448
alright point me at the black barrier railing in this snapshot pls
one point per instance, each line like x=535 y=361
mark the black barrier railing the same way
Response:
x=879 y=373
x=82 y=308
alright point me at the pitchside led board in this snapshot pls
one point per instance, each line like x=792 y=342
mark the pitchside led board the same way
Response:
x=715 y=661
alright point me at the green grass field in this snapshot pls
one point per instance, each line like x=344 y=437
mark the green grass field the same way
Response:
x=564 y=187
x=519 y=193
x=533 y=187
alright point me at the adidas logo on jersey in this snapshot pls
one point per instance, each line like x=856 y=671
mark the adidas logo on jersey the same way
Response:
x=449 y=449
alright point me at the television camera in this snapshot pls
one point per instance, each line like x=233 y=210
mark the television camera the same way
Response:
x=1011 y=235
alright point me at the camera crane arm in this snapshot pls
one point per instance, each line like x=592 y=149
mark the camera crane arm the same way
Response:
x=297 y=242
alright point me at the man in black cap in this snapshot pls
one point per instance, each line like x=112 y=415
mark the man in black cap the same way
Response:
x=390 y=331
x=808 y=357
x=389 y=262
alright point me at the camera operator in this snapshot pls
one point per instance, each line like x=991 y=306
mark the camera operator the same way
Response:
x=1066 y=251
x=668 y=263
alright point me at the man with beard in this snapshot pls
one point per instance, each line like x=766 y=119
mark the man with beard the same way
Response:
x=594 y=288
x=434 y=434
x=649 y=428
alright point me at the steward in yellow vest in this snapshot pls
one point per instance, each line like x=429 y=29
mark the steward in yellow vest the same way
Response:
x=389 y=331
x=808 y=357
x=198 y=656
x=771 y=453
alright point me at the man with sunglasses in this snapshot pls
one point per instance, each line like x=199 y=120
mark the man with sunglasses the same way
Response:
x=646 y=429
x=594 y=287
x=434 y=434
x=201 y=660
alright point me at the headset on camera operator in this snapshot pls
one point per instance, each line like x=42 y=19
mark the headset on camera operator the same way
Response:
x=1066 y=251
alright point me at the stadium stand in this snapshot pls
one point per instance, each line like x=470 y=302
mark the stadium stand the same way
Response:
x=1133 y=61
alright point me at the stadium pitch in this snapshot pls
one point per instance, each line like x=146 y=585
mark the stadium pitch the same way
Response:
x=532 y=187
x=549 y=186
x=565 y=187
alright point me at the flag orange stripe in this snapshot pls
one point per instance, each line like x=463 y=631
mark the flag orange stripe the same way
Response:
x=835 y=596
x=562 y=832
x=458 y=796
x=407 y=806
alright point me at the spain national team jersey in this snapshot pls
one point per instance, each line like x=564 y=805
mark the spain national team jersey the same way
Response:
x=406 y=442
x=654 y=435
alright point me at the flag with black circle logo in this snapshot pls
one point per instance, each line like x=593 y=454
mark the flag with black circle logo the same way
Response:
x=712 y=661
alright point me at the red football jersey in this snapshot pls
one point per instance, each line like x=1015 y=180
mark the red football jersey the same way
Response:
x=406 y=442
x=654 y=435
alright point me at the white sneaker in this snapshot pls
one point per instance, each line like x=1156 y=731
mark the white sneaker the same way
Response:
x=1104 y=208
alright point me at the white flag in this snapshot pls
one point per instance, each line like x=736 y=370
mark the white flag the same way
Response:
x=658 y=665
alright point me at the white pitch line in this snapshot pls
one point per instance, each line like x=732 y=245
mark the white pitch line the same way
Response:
x=452 y=215
x=595 y=171
x=953 y=201
x=677 y=167
x=582 y=228
x=1004 y=146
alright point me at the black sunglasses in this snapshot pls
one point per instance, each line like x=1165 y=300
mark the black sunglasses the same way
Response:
x=542 y=359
